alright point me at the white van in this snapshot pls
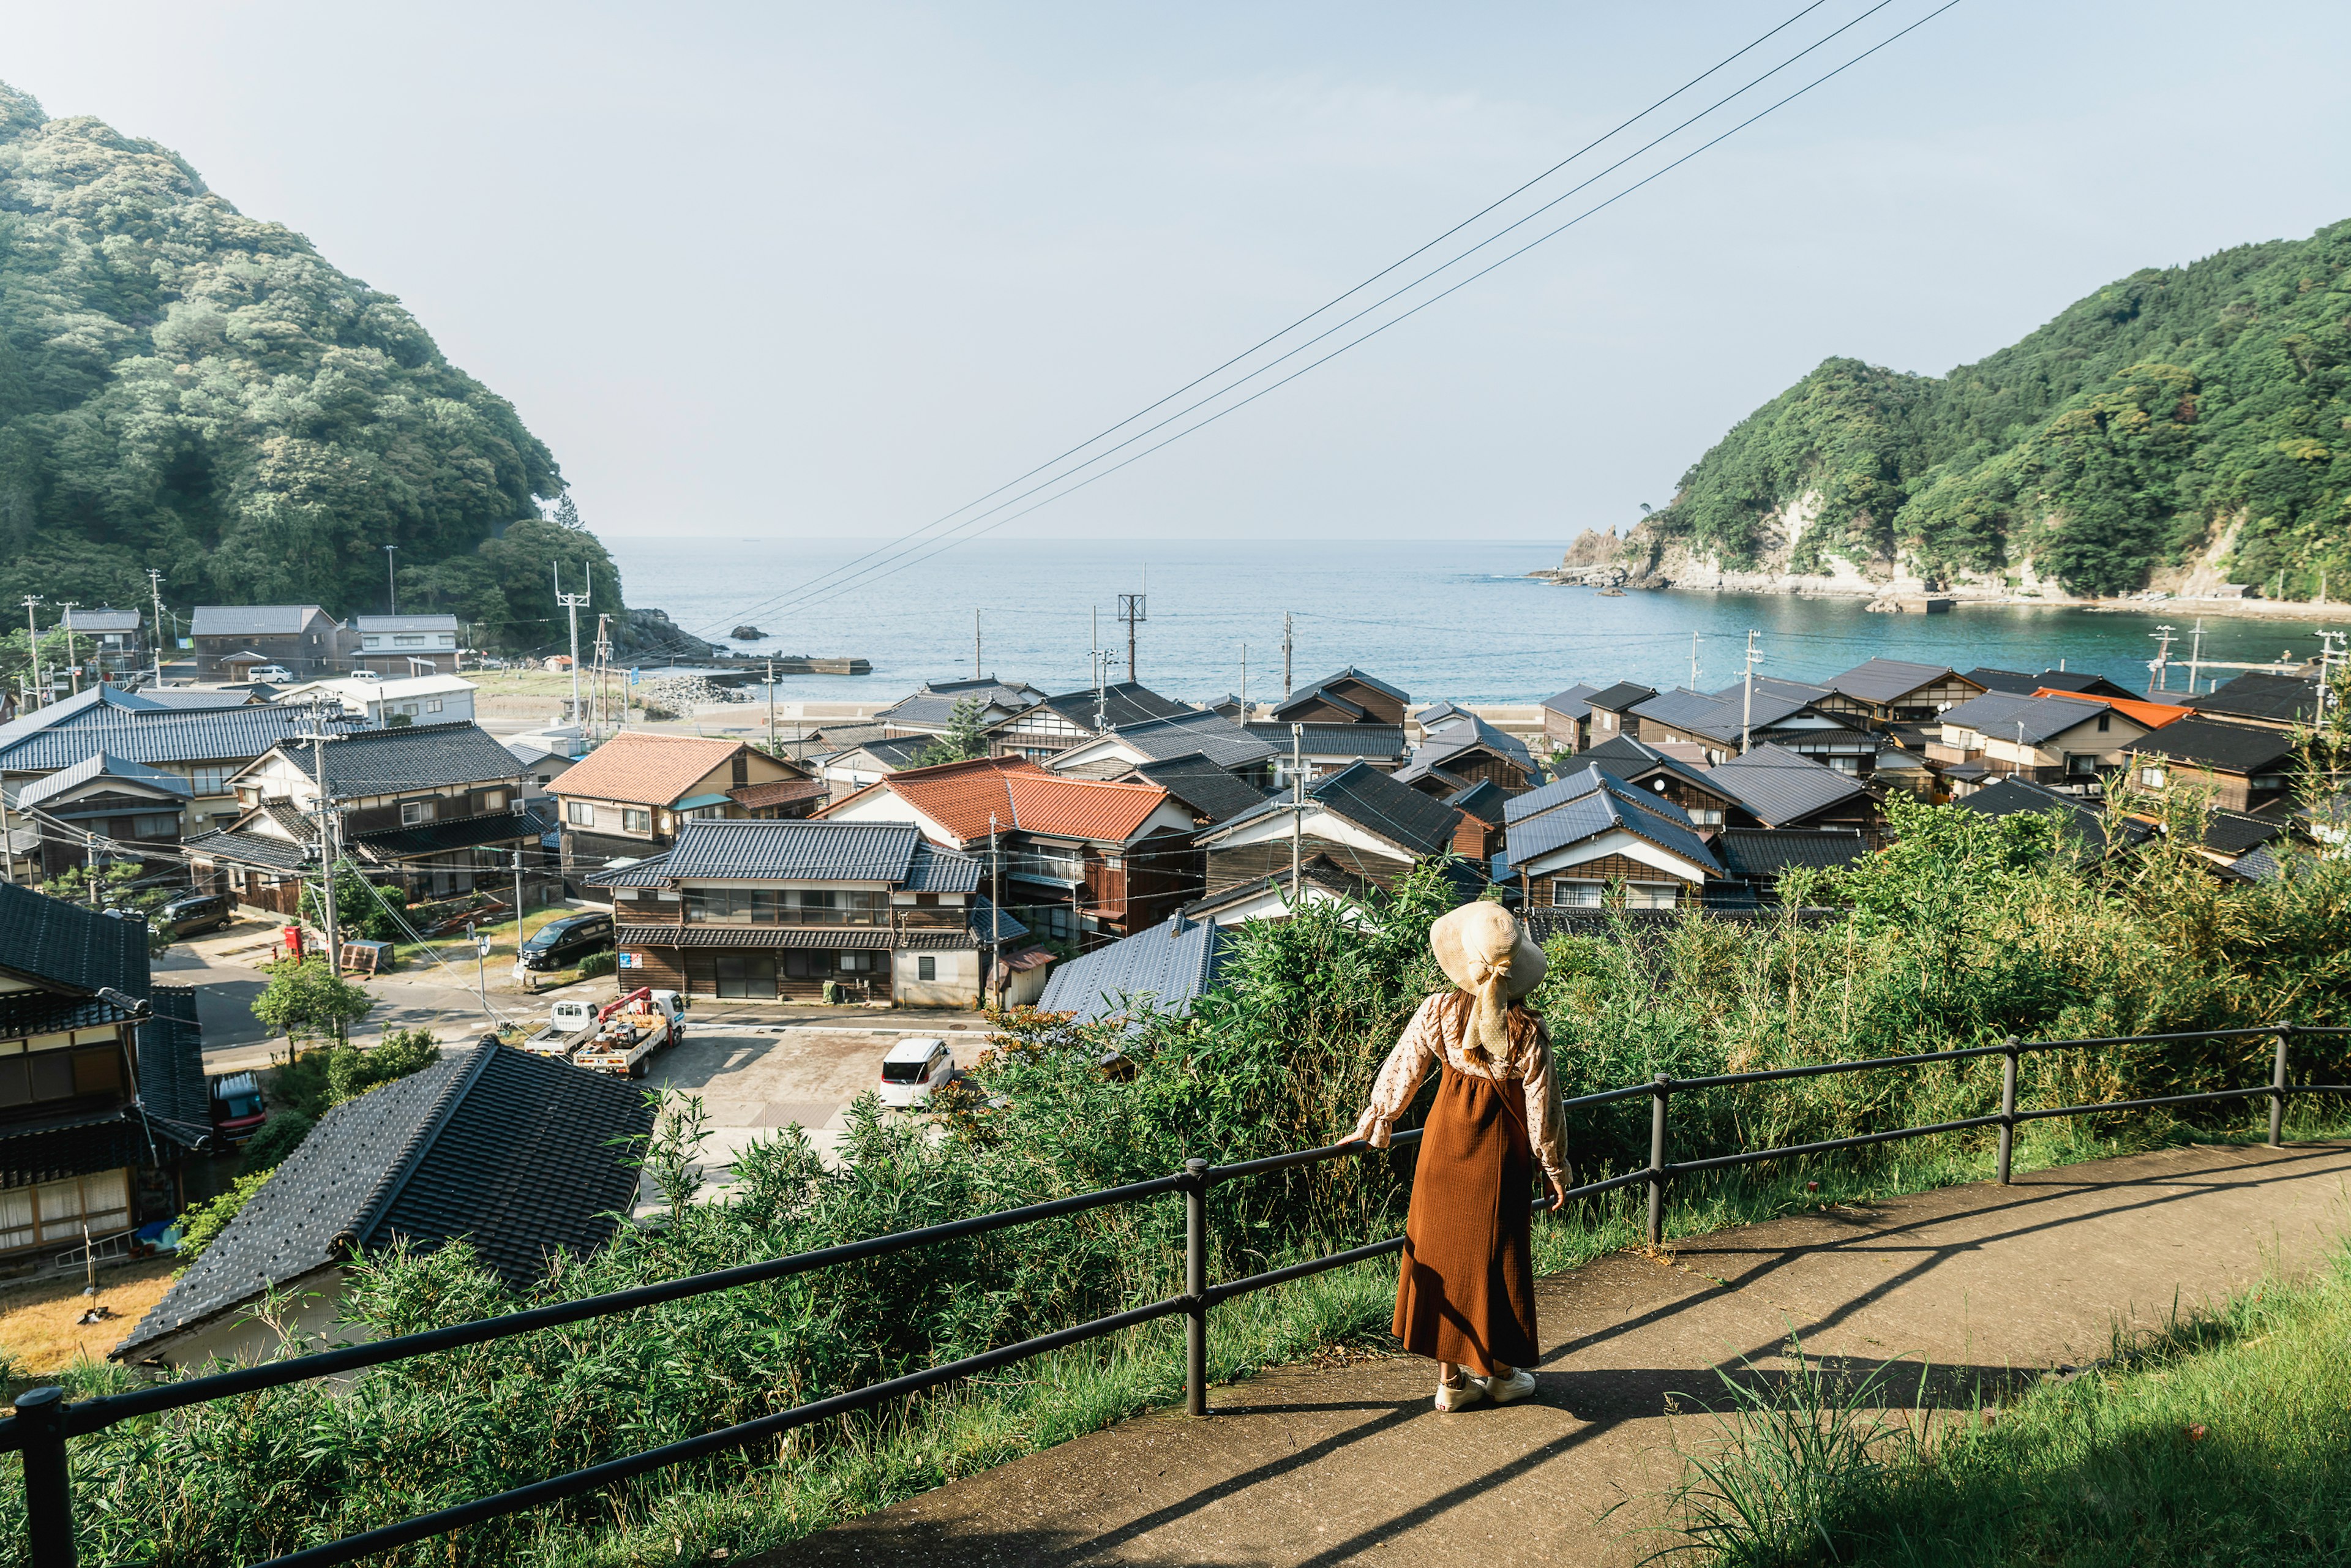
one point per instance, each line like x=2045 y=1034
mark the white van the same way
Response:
x=913 y=1069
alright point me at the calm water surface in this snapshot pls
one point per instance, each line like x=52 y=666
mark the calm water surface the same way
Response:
x=1457 y=620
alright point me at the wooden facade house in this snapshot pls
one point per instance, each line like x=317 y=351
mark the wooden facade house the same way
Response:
x=1359 y=819
x=2241 y=766
x=1786 y=713
x=1773 y=787
x=232 y=639
x=1567 y=719
x=1349 y=696
x=1082 y=861
x=140 y=808
x=1645 y=765
x=1461 y=750
x=930 y=708
x=403 y=647
x=1590 y=840
x=629 y=797
x=2262 y=700
x=1884 y=691
x=764 y=910
x=1609 y=711
x=1047 y=728
x=1317 y=749
x=2056 y=741
x=1195 y=732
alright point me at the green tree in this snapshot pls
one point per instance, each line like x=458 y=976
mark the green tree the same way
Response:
x=305 y=1001
x=359 y=905
x=963 y=739
x=118 y=884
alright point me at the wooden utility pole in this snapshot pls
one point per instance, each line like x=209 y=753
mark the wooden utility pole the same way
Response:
x=2195 y=655
x=771 y=704
x=65 y=624
x=995 y=913
x=1693 y=685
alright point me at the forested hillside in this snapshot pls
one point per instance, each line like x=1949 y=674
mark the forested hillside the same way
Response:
x=2178 y=411
x=186 y=387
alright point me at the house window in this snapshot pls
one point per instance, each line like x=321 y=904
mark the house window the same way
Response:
x=2105 y=722
x=745 y=976
x=1568 y=894
x=371 y=640
x=55 y=1211
x=1051 y=862
x=2151 y=778
x=156 y=825
x=1651 y=894
x=414 y=811
x=636 y=820
x=855 y=963
x=209 y=780
x=29 y=1079
x=741 y=772
x=494 y=801
x=1706 y=816
x=926 y=968
x=580 y=813
x=408 y=641
x=432 y=705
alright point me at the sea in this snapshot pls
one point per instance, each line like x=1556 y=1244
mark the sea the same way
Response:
x=1452 y=618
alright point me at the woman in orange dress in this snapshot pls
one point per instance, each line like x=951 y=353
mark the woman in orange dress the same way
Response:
x=1465 y=1291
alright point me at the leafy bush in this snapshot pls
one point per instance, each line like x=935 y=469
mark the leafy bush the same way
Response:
x=314 y=1082
x=200 y=1225
x=596 y=964
x=278 y=1137
x=304 y=1000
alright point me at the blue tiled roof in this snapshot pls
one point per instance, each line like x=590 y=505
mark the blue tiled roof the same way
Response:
x=1606 y=805
x=1166 y=968
x=895 y=853
x=98 y=764
x=1584 y=781
x=168 y=735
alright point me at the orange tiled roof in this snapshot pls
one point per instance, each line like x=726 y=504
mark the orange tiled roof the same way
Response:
x=961 y=796
x=2155 y=716
x=642 y=769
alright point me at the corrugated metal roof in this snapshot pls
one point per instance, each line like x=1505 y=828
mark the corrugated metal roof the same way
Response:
x=1777 y=785
x=1164 y=969
x=97 y=764
x=2004 y=715
x=1623 y=758
x=1883 y=680
x=381 y=623
x=1620 y=697
x=1382 y=742
x=1584 y=780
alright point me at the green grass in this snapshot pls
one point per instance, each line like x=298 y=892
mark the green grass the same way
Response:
x=2223 y=1439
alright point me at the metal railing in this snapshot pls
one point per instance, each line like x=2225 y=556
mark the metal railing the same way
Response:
x=46 y=1422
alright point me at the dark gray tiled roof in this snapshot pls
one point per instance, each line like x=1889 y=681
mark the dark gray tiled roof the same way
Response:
x=2014 y=682
x=97 y=764
x=513 y=1150
x=1166 y=968
x=2224 y=747
x=2234 y=832
x=1416 y=823
x=1209 y=734
x=1351 y=674
x=934 y=703
x=651 y=871
x=1883 y=680
x=938 y=870
x=164 y=735
x=411 y=756
x=190 y=698
x=1998 y=714
x=1622 y=757
x=1777 y=785
x=1620 y=697
x=796 y=851
x=252 y=620
x=833 y=938
x=1768 y=851
x=1484 y=801
x=1213 y=791
x=1595 y=773
x=1127 y=702
x=172 y=1088
x=1571 y=703
x=988 y=922
x=242 y=847
x=1607 y=805
x=2010 y=796
x=2084 y=682
x=2280 y=699
x=1456 y=731
x=1383 y=741
x=68 y=946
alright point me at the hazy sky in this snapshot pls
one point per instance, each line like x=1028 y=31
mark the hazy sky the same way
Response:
x=834 y=270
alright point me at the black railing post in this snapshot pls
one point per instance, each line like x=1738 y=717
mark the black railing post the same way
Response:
x=1659 y=1087
x=49 y=1489
x=1195 y=1287
x=2007 y=1108
x=2277 y=1088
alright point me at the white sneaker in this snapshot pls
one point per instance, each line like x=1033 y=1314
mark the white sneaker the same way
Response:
x=1457 y=1395
x=1508 y=1390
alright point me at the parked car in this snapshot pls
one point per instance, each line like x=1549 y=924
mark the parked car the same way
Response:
x=560 y=944
x=364 y=676
x=193 y=912
x=276 y=675
x=913 y=1070
x=238 y=1108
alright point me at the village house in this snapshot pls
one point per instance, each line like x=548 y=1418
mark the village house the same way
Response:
x=628 y=798
x=2243 y=767
x=1462 y=748
x=524 y=1157
x=930 y=710
x=1359 y=820
x=234 y=640
x=2264 y=700
x=1320 y=881
x=1200 y=732
x=205 y=746
x=1046 y=729
x=2064 y=741
x=1783 y=713
x=1567 y=717
x=421 y=699
x=1349 y=696
x=2067 y=682
x=1884 y=691
x=1480 y=836
x=1609 y=711
x=436 y=808
x=1779 y=789
x=102 y=1079
x=1590 y=839
x=1760 y=857
x=405 y=645
x=770 y=910
x=1082 y=861
x=1647 y=765
x=870 y=761
x=1211 y=793
x=103 y=797
x=107 y=642
x=542 y=766
x=1315 y=750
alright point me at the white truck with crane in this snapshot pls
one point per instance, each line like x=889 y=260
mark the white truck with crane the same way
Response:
x=569 y=1024
x=631 y=1029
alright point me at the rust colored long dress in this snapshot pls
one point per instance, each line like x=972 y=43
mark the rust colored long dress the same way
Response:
x=1465 y=1289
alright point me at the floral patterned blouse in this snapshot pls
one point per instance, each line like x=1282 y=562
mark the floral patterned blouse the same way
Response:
x=1438 y=1031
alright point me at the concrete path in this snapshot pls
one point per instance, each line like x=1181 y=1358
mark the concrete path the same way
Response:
x=1323 y=1467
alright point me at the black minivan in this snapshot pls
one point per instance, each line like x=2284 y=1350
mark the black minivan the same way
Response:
x=560 y=944
x=191 y=913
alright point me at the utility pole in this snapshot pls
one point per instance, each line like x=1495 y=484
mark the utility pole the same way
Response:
x=1693 y=685
x=33 y=648
x=1297 y=805
x=771 y=704
x=330 y=846
x=517 y=871
x=1244 y=683
x=603 y=670
x=2158 y=666
x=1286 y=687
x=572 y=602
x=89 y=865
x=2195 y=655
x=995 y=915
x=65 y=624
x=1130 y=611
x=975 y=642
x=1747 y=702
x=391 y=582
x=1101 y=696
x=156 y=585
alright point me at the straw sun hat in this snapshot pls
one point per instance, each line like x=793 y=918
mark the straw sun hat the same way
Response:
x=1484 y=950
